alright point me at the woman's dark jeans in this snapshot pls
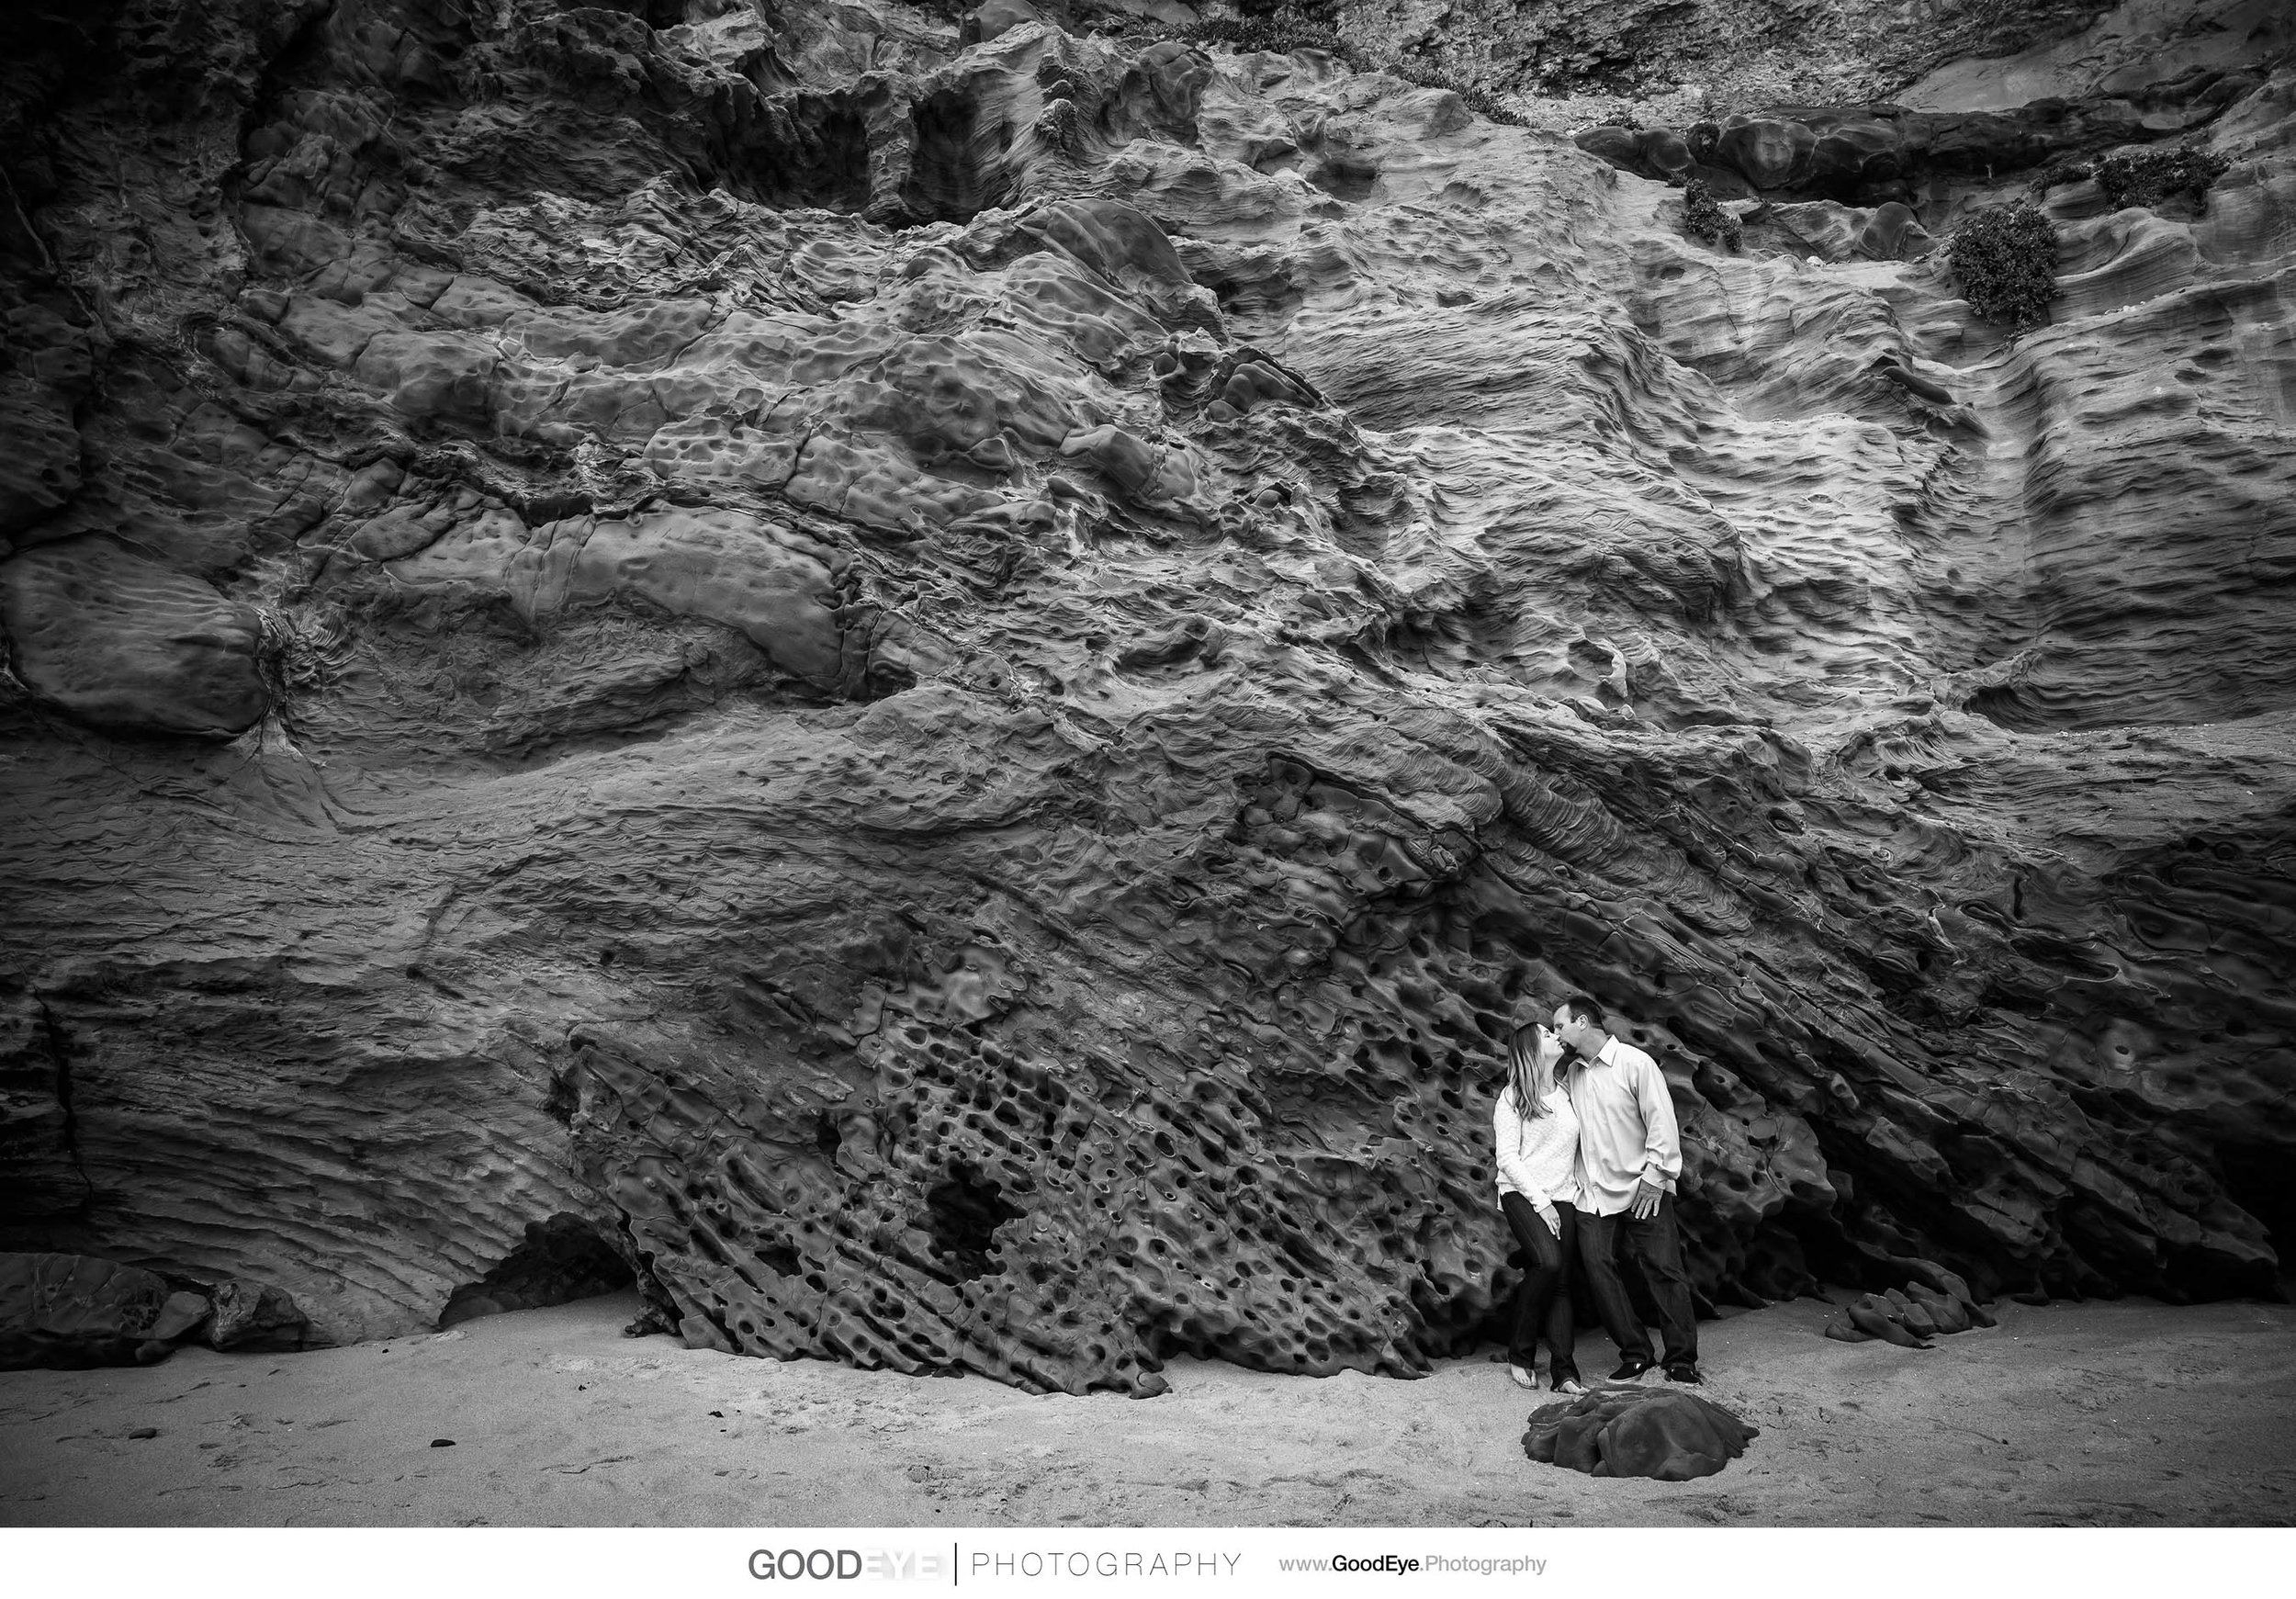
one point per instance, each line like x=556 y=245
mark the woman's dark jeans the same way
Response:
x=1543 y=1301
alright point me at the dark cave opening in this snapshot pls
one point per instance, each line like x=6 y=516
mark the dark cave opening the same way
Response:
x=562 y=1259
x=2008 y=710
x=949 y=178
x=963 y=1214
x=1345 y=176
x=656 y=13
x=841 y=139
x=2257 y=1180
x=816 y=154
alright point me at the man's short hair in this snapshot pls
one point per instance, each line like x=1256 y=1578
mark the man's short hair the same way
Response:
x=1586 y=1009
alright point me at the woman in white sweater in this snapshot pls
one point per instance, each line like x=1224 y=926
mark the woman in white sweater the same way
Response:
x=1536 y=1139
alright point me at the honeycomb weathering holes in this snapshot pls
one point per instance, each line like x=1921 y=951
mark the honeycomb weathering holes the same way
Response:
x=965 y=1210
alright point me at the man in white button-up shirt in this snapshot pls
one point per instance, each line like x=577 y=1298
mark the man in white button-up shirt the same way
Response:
x=1630 y=1157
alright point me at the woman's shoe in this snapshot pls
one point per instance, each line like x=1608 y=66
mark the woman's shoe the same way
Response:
x=1521 y=1376
x=1567 y=1381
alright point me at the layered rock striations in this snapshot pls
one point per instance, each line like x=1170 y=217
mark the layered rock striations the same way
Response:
x=950 y=690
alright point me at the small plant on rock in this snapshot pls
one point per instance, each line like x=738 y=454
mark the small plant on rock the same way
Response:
x=2067 y=170
x=1278 y=29
x=2146 y=177
x=1705 y=217
x=1481 y=102
x=2005 y=262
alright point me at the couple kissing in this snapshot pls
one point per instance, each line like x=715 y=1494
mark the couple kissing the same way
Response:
x=1588 y=1155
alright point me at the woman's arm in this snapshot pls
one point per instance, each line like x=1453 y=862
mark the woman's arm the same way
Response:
x=1506 y=1137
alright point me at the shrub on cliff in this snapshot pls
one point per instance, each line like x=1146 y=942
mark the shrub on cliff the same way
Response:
x=2066 y=170
x=1705 y=217
x=2146 y=177
x=1278 y=30
x=2143 y=177
x=1479 y=101
x=2005 y=262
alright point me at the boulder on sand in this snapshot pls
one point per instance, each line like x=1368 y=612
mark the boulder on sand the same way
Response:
x=72 y=1311
x=1636 y=1432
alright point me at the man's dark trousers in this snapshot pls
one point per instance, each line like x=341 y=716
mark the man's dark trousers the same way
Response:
x=1658 y=1249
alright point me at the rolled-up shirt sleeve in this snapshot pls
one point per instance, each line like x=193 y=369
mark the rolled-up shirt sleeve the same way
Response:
x=1662 y=1139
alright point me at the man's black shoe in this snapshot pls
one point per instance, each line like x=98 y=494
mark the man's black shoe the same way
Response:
x=1685 y=1372
x=1630 y=1370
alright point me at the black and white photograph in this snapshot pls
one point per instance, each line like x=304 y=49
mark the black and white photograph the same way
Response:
x=1247 y=795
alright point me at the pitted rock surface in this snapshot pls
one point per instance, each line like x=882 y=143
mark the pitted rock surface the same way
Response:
x=950 y=689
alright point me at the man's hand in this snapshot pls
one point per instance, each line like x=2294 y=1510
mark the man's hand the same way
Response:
x=1647 y=1197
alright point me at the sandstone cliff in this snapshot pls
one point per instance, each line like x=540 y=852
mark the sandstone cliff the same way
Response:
x=950 y=689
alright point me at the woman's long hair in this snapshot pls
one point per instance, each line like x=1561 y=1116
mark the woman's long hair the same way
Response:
x=1530 y=1072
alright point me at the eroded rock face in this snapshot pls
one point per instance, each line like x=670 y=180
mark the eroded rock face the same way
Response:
x=949 y=693
x=72 y=1311
x=119 y=640
x=1883 y=154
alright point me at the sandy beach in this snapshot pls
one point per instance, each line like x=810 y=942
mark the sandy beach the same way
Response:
x=2126 y=1414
